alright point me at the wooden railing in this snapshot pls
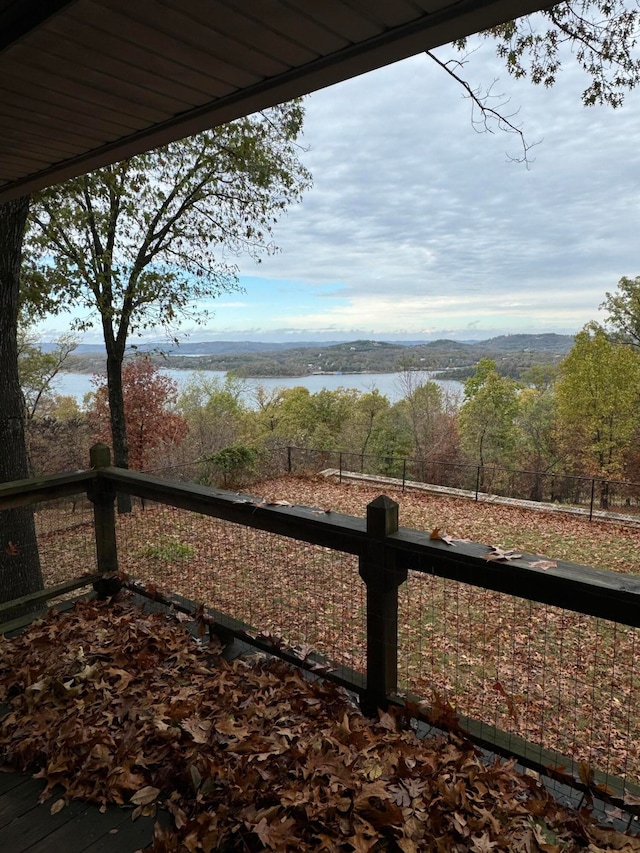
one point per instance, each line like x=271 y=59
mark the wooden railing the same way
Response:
x=386 y=553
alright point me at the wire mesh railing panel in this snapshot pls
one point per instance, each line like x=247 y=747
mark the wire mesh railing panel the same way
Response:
x=563 y=681
x=43 y=546
x=592 y=494
x=305 y=594
x=65 y=539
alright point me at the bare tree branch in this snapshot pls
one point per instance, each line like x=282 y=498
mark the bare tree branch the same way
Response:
x=483 y=114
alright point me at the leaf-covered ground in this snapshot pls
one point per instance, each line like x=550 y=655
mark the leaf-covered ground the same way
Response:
x=115 y=705
x=554 y=535
x=567 y=682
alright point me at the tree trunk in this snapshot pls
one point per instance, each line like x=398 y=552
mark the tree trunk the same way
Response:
x=19 y=561
x=118 y=423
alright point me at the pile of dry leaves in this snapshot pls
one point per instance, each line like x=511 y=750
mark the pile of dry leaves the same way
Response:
x=116 y=705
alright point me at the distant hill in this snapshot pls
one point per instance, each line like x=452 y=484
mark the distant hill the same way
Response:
x=512 y=353
x=538 y=343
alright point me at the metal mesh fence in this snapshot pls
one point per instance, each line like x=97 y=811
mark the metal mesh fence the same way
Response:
x=565 y=682
x=305 y=594
x=64 y=539
x=521 y=671
x=593 y=494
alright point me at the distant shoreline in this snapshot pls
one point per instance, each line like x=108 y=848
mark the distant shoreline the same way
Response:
x=388 y=384
x=513 y=354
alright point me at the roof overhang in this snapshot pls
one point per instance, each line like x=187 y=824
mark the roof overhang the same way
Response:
x=84 y=83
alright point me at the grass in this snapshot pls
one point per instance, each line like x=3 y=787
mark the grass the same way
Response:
x=166 y=549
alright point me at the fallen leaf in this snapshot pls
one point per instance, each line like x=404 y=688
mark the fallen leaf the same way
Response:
x=544 y=564
x=145 y=795
x=58 y=806
x=441 y=536
x=497 y=553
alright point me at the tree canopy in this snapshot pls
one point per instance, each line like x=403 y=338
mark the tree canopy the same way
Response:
x=597 y=401
x=149 y=401
x=623 y=309
x=601 y=35
x=145 y=241
x=487 y=417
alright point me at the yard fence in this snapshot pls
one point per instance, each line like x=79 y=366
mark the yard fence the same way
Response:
x=531 y=658
x=593 y=494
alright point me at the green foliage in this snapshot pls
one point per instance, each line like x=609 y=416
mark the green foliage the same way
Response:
x=37 y=369
x=484 y=368
x=365 y=421
x=166 y=549
x=602 y=35
x=297 y=416
x=237 y=456
x=597 y=402
x=623 y=309
x=215 y=413
x=487 y=417
x=144 y=240
x=541 y=377
x=233 y=462
x=538 y=447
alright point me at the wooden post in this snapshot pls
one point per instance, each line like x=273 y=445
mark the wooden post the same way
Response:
x=382 y=578
x=102 y=497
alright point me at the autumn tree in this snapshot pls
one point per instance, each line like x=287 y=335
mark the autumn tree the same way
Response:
x=597 y=398
x=38 y=368
x=487 y=419
x=149 y=398
x=538 y=448
x=215 y=412
x=362 y=425
x=143 y=241
x=59 y=440
x=623 y=311
x=268 y=402
x=430 y=412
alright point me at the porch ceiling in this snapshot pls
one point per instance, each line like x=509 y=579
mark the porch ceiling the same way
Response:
x=84 y=83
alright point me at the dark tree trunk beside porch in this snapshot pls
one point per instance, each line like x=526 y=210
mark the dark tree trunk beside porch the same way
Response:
x=19 y=561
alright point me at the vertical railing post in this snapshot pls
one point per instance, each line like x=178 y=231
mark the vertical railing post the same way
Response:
x=593 y=492
x=289 y=459
x=340 y=467
x=382 y=578
x=477 y=481
x=404 y=473
x=102 y=496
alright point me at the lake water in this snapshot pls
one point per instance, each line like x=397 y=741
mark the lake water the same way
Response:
x=78 y=384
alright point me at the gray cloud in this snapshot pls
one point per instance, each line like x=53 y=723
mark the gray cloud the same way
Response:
x=419 y=226
x=410 y=204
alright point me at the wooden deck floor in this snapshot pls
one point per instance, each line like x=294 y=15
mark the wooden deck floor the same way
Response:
x=29 y=827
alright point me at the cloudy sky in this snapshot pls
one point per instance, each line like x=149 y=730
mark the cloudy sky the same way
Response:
x=419 y=227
